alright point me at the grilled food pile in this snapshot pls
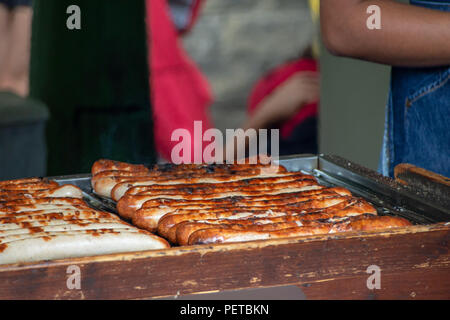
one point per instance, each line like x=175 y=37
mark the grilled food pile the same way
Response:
x=41 y=220
x=197 y=204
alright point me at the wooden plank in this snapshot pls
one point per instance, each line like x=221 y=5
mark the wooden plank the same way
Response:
x=416 y=284
x=180 y=271
x=410 y=174
x=425 y=180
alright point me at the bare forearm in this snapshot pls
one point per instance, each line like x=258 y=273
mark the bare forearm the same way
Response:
x=260 y=120
x=409 y=35
x=268 y=113
x=287 y=99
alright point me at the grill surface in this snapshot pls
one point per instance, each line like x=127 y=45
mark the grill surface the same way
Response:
x=385 y=194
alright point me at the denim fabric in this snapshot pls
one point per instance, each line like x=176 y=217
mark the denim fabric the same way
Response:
x=418 y=115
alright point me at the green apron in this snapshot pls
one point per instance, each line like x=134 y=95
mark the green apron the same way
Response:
x=95 y=82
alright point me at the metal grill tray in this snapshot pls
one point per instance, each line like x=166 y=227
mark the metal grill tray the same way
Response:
x=385 y=194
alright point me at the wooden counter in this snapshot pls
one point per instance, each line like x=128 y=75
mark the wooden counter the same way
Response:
x=414 y=263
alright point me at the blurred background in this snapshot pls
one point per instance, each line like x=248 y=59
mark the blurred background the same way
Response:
x=109 y=70
x=235 y=42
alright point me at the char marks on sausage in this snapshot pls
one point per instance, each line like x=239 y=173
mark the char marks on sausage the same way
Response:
x=194 y=204
x=41 y=220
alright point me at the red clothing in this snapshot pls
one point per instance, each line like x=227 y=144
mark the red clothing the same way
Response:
x=179 y=92
x=278 y=76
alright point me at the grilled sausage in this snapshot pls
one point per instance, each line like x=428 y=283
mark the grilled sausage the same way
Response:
x=46 y=200
x=57 y=215
x=148 y=216
x=60 y=245
x=180 y=232
x=105 y=181
x=65 y=191
x=177 y=236
x=59 y=221
x=169 y=169
x=110 y=165
x=364 y=223
x=197 y=181
x=9 y=234
x=20 y=181
x=29 y=186
x=240 y=200
x=41 y=220
x=169 y=220
x=128 y=204
x=38 y=207
x=324 y=210
x=219 y=185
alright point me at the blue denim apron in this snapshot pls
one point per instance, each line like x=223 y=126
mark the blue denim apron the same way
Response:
x=417 y=128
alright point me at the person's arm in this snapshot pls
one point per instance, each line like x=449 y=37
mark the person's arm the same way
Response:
x=299 y=90
x=409 y=35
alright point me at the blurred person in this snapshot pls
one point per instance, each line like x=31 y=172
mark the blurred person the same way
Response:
x=95 y=82
x=287 y=98
x=22 y=119
x=415 y=40
x=180 y=92
x=120 y=85
x=15 y=35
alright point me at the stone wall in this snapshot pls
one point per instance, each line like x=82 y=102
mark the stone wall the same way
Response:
x=236 y=41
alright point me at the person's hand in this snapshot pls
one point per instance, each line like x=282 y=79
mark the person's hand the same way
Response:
x=308 y=84
x=299 y=90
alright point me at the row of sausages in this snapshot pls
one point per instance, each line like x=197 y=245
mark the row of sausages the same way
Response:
x=41 y=220
x=198 y=204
